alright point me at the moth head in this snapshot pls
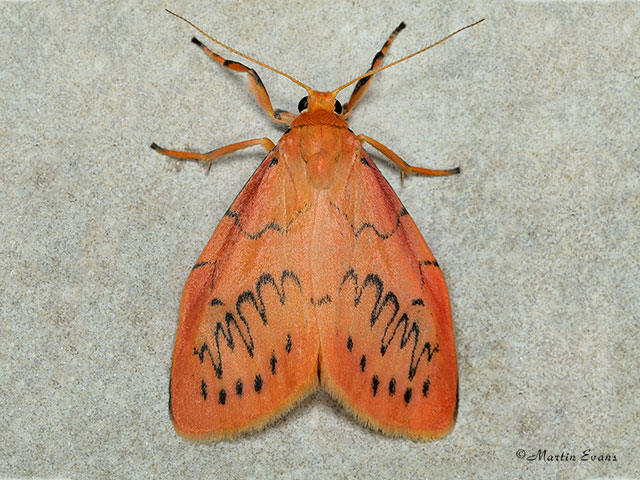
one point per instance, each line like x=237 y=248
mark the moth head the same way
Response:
x=320 y=101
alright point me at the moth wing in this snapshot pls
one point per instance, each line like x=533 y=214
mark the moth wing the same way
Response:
x=245 y=347
x=388 y=350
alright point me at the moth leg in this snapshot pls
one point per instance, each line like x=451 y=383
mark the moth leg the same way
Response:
x=255 y=85
x=209 y=157
x=363 y=84
x=405 y=168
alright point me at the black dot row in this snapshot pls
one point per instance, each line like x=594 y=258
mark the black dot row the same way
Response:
x=258 y=383
x=375 y=381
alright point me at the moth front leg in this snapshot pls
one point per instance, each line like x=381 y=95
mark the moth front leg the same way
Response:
x=255 y=84
x=364 y=83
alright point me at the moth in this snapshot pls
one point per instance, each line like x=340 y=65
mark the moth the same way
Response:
x=316 y=277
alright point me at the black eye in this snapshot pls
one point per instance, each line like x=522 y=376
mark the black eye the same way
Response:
x=337 y=108
x=303 y=104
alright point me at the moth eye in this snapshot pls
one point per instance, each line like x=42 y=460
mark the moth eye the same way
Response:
x=303 y=104
x=337 y=108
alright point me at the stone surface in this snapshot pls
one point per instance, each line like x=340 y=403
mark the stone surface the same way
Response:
x=538 y=237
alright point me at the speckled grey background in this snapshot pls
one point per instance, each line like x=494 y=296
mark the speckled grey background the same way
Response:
x=538 y=238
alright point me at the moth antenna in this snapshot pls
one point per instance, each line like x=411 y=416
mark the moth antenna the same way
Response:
x=247 y=57
x=373 y=72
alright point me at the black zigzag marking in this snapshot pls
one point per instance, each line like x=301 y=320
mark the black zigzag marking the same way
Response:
x=237 y=321
x=368 y=225
x=269 y=226
x=410 y=333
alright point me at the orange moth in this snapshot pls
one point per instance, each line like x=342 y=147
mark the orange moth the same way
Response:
x=315 y=277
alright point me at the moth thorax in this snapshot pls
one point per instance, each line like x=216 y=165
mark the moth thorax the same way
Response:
x=321 y=149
